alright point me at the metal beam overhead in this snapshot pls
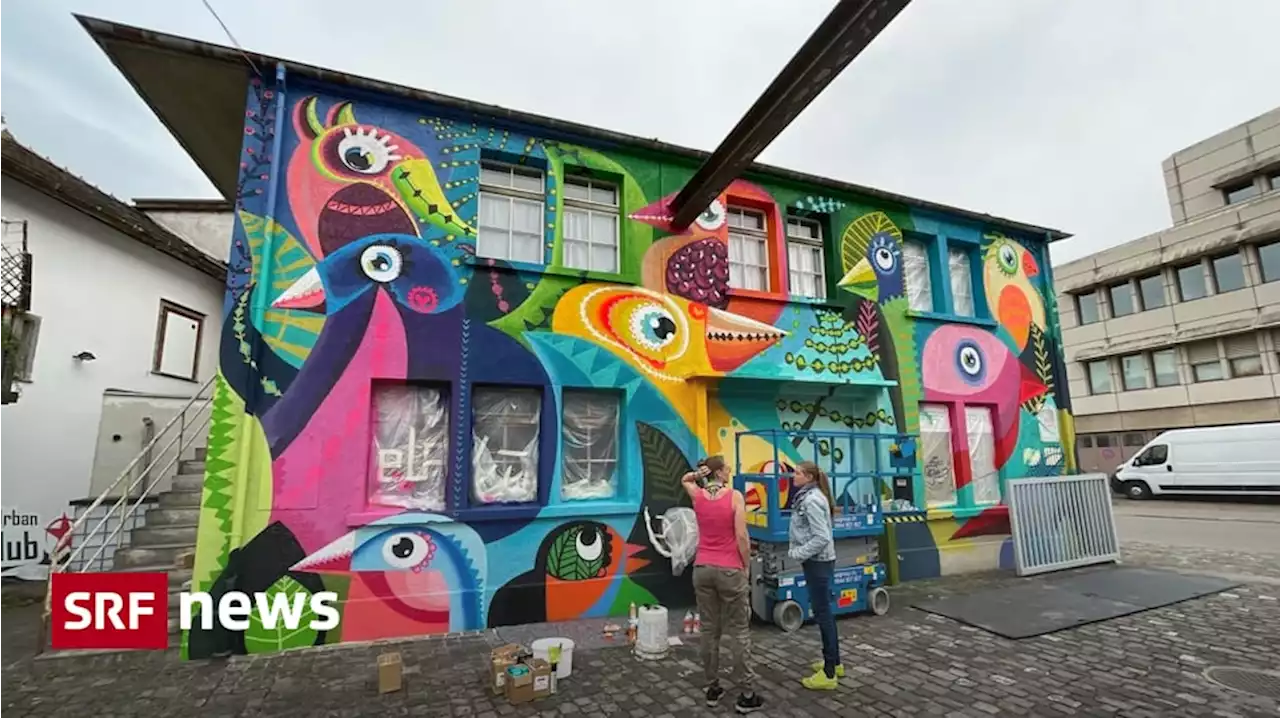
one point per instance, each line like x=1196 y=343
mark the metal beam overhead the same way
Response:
x=841 y=37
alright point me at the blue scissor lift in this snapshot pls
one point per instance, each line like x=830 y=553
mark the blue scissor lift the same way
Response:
x=860 y=466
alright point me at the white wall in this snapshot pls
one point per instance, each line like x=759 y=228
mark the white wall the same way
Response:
x=210 y=232
x=95 y=290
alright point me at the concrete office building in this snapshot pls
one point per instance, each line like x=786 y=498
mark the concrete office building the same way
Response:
x=1181 y=328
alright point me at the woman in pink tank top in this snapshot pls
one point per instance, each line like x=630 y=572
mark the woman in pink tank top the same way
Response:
x=720 y=579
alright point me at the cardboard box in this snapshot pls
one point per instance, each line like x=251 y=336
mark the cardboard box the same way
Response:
x=390 y=673
x=499 y=660
x=541 y=671
x=519 y=683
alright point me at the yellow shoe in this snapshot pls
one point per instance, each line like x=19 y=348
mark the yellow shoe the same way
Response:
x=819 y=682
x=819 y=665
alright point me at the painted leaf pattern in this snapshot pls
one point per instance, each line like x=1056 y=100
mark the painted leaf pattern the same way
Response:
x=566 y=563
x=260 y=639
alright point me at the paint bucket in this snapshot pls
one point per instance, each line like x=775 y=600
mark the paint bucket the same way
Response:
x=651 y=639
x=556 y=651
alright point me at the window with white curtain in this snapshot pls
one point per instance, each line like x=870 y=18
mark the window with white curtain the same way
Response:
x=590 y=225
x=805 y=261
x=410 y=446
x=504 y=444
x=915 y=271
x=982 y=454
x=935 y=445
x=961 y=282
x=748 y=249
x=511 y=213
x=590 y=433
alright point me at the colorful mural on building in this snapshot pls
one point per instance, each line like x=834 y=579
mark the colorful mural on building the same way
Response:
x=463 y=361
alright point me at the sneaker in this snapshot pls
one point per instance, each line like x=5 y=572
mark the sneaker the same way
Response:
x=819 y=682
x=819 y=666
x=714 y=694
x=749 y=703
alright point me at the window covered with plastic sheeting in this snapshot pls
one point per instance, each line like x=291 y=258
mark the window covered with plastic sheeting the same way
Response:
x=504 y=448
x=935 y=448
x=961 y=282
x=915 y=271
x=410 y=446
x=1047 y=418
x=590 y=434
x=982 y=454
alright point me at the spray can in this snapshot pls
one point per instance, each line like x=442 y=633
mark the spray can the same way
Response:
x=697 y=622
x=688 y=622
x=633 y=623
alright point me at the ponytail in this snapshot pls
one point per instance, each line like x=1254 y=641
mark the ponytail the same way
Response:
x=824 y=483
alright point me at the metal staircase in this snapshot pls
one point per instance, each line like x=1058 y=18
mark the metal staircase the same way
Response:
x=133 y=527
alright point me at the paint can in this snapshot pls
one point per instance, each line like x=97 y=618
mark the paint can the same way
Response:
x=651 y=639
x=556 y=651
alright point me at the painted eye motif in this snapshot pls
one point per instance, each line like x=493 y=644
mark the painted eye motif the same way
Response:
x=1008 y=259
x=969 y=360
x=366 y=154
x=381 y=263
x=589 y=544
x=884 y=259
x=407 y=550
x=653 y=326
x=712 y=218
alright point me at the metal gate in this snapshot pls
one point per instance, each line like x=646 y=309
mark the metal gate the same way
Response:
x=1061 y=522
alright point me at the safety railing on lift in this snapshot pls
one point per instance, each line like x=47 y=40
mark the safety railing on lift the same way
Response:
x=129 y=490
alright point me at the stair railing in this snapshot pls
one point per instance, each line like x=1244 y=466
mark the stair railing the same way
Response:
x=183 y=429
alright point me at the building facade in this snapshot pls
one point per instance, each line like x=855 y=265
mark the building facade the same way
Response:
x=121 y=328
x=466 y=356
x=1182 y=328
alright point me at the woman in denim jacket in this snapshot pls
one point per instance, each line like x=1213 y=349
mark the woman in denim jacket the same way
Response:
x=813 y=544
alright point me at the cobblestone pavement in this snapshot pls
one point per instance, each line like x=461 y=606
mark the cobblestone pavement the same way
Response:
x=903 y=664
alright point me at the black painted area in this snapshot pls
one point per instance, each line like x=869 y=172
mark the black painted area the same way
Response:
x=1068 y=600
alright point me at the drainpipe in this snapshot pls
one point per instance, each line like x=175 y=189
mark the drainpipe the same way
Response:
x=259 y=308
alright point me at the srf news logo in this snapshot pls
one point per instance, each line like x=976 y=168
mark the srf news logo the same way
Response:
x=131 y=610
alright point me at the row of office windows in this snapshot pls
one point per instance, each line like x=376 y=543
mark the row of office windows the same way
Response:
x=512 y=201
x=1230 y=357
x=411 y=445
x=1147 y=292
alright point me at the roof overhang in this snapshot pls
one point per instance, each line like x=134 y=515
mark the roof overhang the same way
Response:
x=198 y=91
x=29 y=168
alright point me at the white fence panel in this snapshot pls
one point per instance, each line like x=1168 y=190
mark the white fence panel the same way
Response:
x=1061 y=522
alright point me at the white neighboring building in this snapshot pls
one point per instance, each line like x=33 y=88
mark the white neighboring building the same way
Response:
x=129 y=316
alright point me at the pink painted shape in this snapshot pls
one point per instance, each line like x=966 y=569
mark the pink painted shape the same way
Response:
x=308 y=193
x=327 y=466
x=366 y=616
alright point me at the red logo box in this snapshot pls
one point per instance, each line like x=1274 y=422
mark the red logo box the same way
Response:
x=110 y=611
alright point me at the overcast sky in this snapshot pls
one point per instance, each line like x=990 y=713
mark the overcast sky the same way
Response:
x=1046 y=111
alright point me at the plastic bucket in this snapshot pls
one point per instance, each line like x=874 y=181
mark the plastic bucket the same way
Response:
x=544 y=648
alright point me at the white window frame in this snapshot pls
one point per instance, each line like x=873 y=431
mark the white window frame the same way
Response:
x=168 y=308
x=509 y=193
x=740 y=232
x=592 y=209
x=806 y=242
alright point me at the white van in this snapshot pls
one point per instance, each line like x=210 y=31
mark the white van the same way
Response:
x=1239 y=460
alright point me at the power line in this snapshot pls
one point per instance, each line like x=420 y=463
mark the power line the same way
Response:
x=231 y=37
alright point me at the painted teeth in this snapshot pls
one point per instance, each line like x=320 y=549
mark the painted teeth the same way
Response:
x=743 y=336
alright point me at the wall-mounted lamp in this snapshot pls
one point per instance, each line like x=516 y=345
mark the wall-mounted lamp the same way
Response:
x=84 y=356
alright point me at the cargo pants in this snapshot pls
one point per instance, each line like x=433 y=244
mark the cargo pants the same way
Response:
x=724 y=602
